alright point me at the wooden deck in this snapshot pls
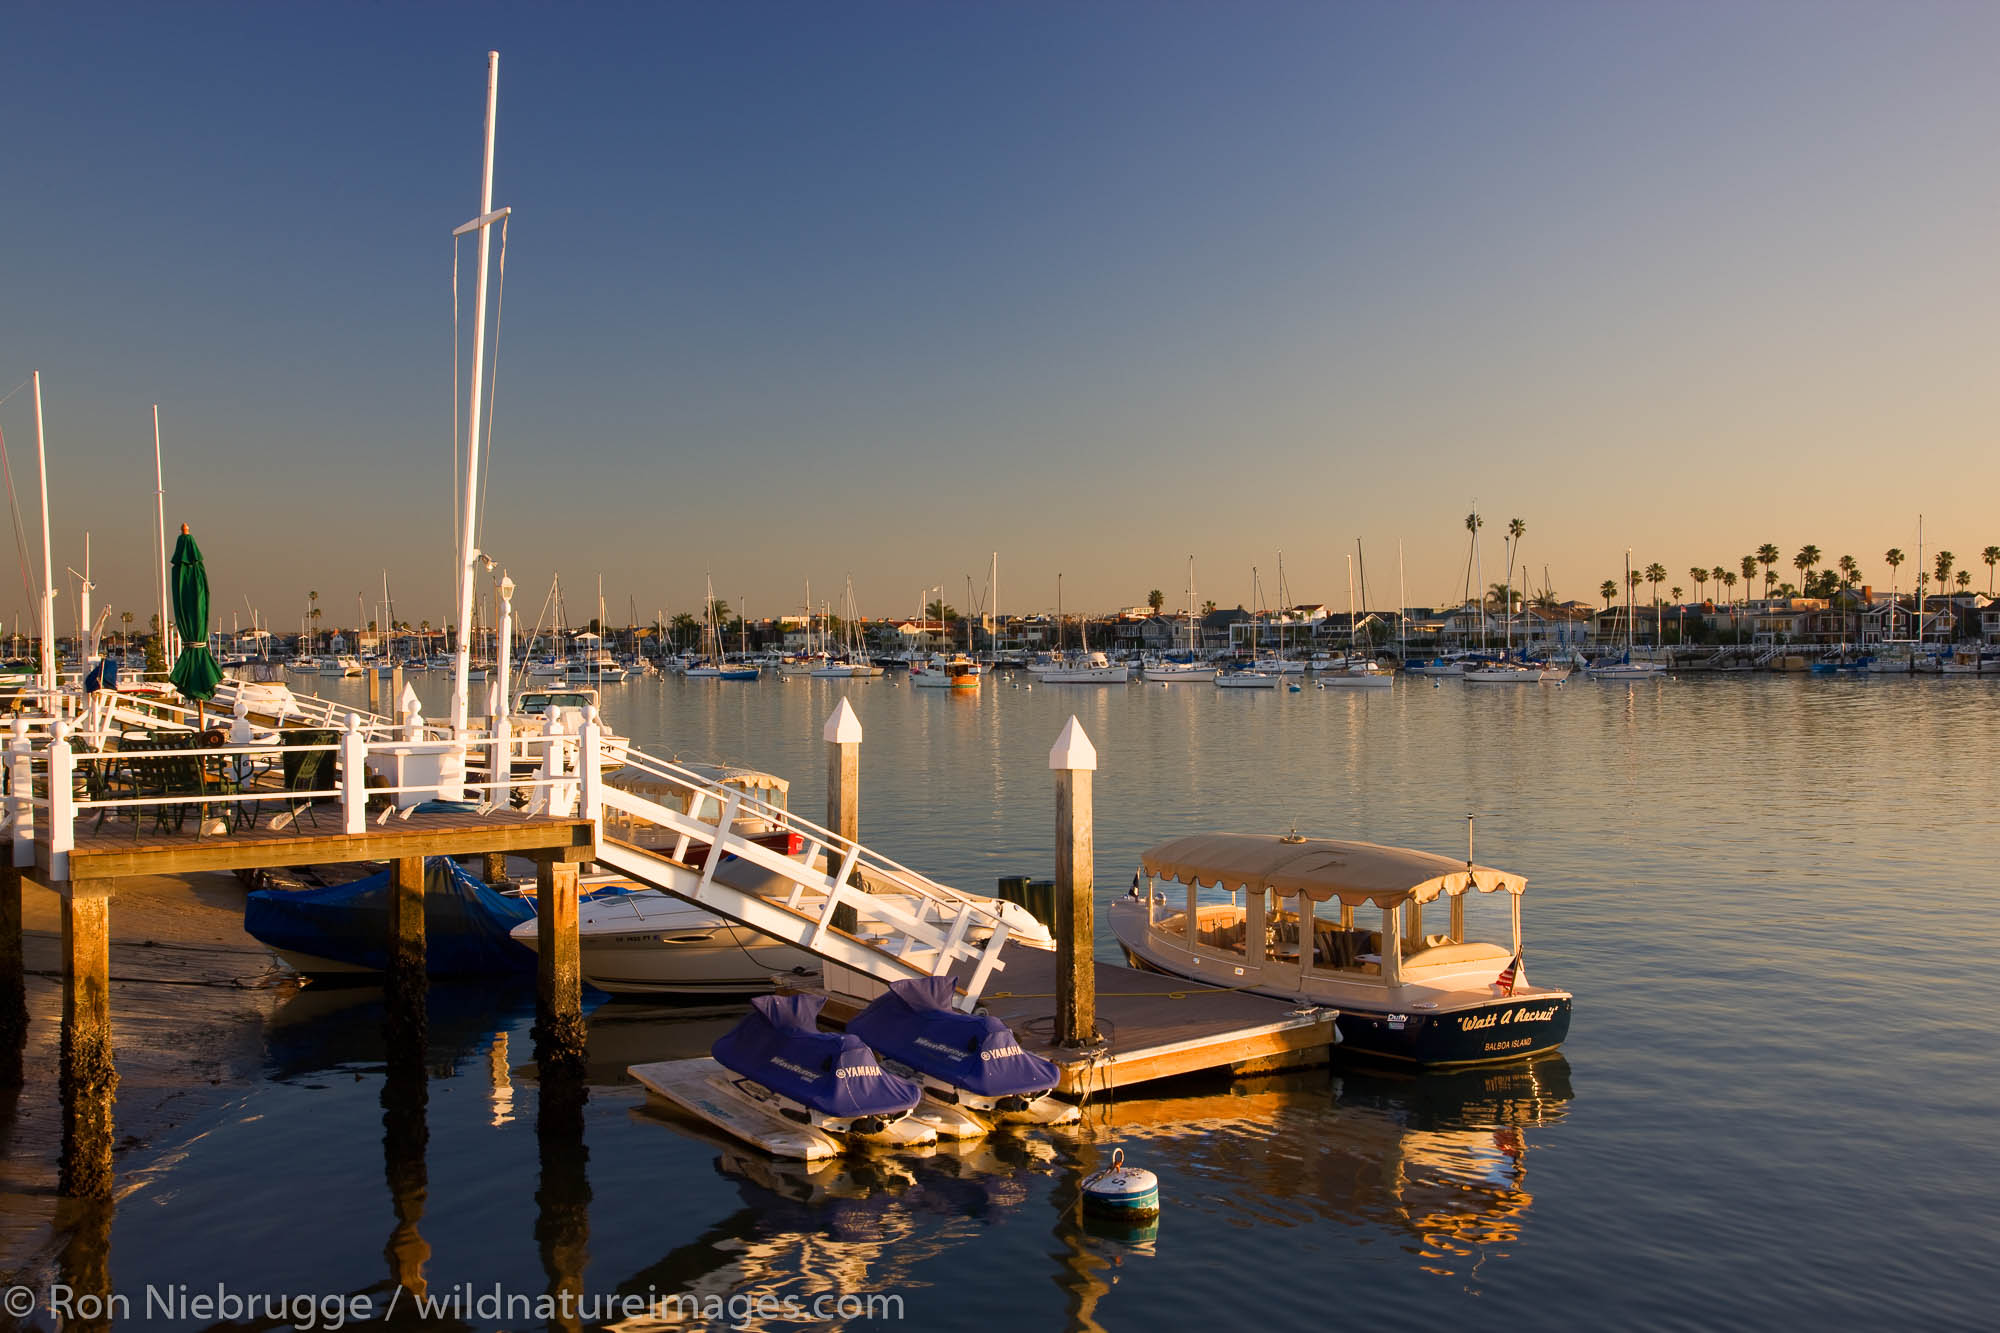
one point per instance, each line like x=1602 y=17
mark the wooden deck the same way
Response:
x=1154 y=1026
x=113 y=850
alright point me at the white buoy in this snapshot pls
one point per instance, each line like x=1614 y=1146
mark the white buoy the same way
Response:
x=1124 y=1191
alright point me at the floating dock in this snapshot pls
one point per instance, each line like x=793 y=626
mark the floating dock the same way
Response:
x=1153 y=1027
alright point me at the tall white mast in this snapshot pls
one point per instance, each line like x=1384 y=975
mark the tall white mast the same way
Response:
x=468 y=538
x=1402 y=607
x=48 y=574
x=160 y=525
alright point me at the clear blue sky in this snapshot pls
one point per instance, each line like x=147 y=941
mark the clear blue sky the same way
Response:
x=802 y=290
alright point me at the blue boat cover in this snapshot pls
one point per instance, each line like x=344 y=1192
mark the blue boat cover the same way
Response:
x=915 y=1023
x=465 y=922
x=779 y=1045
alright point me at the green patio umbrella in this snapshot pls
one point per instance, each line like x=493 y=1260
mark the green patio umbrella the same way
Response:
x=195 y=672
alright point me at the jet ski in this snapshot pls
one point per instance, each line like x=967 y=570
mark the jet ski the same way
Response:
x=973 y=1071
x=827 y=1081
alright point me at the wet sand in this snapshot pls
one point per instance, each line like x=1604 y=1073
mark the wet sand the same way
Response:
x=190 y=996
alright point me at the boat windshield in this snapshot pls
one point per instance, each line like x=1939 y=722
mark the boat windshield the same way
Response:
x=534 y=705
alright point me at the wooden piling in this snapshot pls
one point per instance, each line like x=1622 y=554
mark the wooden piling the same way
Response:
x=1074 y=759
x=13 y=980
x=559 y=1031
x=843 y=771
x=406 y=984
x=374 y=690
x=87 y=1080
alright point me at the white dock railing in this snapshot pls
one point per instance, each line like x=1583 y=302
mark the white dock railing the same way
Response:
x=833 y=898
x=903 y=923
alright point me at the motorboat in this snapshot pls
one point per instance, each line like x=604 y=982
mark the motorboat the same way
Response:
x=339 y=664
x=341 y=928
x=1244 y=914
x=721 y=671
x=646 y=942
x=1358 y=673
x=971 y=1067
x=1091 y=668
x=1439 y=666
x=775 y=1080
x=1169 y=671
x=1624 y=668
x=957 y=672
x=1503 y=673
x=1246 y=678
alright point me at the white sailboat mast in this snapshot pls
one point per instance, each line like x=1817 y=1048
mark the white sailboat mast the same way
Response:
x=468 y=538
x=167 y=635
x=48 y=573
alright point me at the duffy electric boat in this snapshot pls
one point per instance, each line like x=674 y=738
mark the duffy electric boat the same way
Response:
x=1425 y=999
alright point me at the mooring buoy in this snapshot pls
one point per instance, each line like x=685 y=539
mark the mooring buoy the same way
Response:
x=1125 y=1191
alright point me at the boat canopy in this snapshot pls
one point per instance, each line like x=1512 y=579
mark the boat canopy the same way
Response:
x=753 y=782
x=1321 y=868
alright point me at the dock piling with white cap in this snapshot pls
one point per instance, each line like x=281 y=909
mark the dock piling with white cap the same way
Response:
x=1074 y=759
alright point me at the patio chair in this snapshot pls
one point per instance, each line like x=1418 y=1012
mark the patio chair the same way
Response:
x=305 y=770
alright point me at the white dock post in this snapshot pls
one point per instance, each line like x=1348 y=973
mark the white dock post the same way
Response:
x=62 y=801
x=843 y=771
x=21 y=788
x=353 y=778
x=589 y=764
x=1074 y=759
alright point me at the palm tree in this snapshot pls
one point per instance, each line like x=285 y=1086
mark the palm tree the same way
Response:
x=1501 y=596
x=1767 y=556
x=1991 y=555
x=1208 y=608
x=1944 y=564
x=940 y=612
x=1699 y=576
x=1850 y=572
x=1804 y=561
x=686 y=626
x=718 y=609
x=125 y=639
x=1964 y=579
x=312 y=601
x=1155 y=600
x=1656 y=574
x=1607 y=590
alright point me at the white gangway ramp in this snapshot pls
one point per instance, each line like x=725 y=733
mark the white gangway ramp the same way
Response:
x=903 y=925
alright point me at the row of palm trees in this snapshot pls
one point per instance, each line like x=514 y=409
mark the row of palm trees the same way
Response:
x=1845 y=573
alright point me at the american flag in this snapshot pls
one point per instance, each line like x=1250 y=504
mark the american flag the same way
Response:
x=1505 y=981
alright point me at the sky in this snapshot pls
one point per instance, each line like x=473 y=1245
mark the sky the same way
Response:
x=816 y=291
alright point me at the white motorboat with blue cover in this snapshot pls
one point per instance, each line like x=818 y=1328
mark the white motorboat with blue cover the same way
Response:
x=973 y=1070
x=777 y=1081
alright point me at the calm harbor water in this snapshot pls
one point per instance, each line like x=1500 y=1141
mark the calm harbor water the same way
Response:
x=1772 y=897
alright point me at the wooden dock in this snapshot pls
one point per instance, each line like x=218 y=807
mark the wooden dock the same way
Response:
x=1153 y=1027
x=115 y=850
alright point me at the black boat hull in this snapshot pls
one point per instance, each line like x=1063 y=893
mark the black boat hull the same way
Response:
x=1510 y=1029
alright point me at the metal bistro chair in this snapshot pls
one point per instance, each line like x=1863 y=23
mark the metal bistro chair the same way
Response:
x=110 y=780
x=165 y=775
x=305 y=771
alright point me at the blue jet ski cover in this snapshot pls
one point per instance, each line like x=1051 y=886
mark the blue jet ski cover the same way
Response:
x=779 y=1044
x=915 y=1023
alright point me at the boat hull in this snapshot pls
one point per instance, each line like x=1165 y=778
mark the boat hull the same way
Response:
x=1508 y=1029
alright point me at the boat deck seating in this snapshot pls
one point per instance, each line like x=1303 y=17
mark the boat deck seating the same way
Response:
x=1343 y=947
x=1451 y=955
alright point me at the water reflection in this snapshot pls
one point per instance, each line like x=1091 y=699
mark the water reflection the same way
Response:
x=813 y=1231
x=1439 y=1158
x=562 y=1191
